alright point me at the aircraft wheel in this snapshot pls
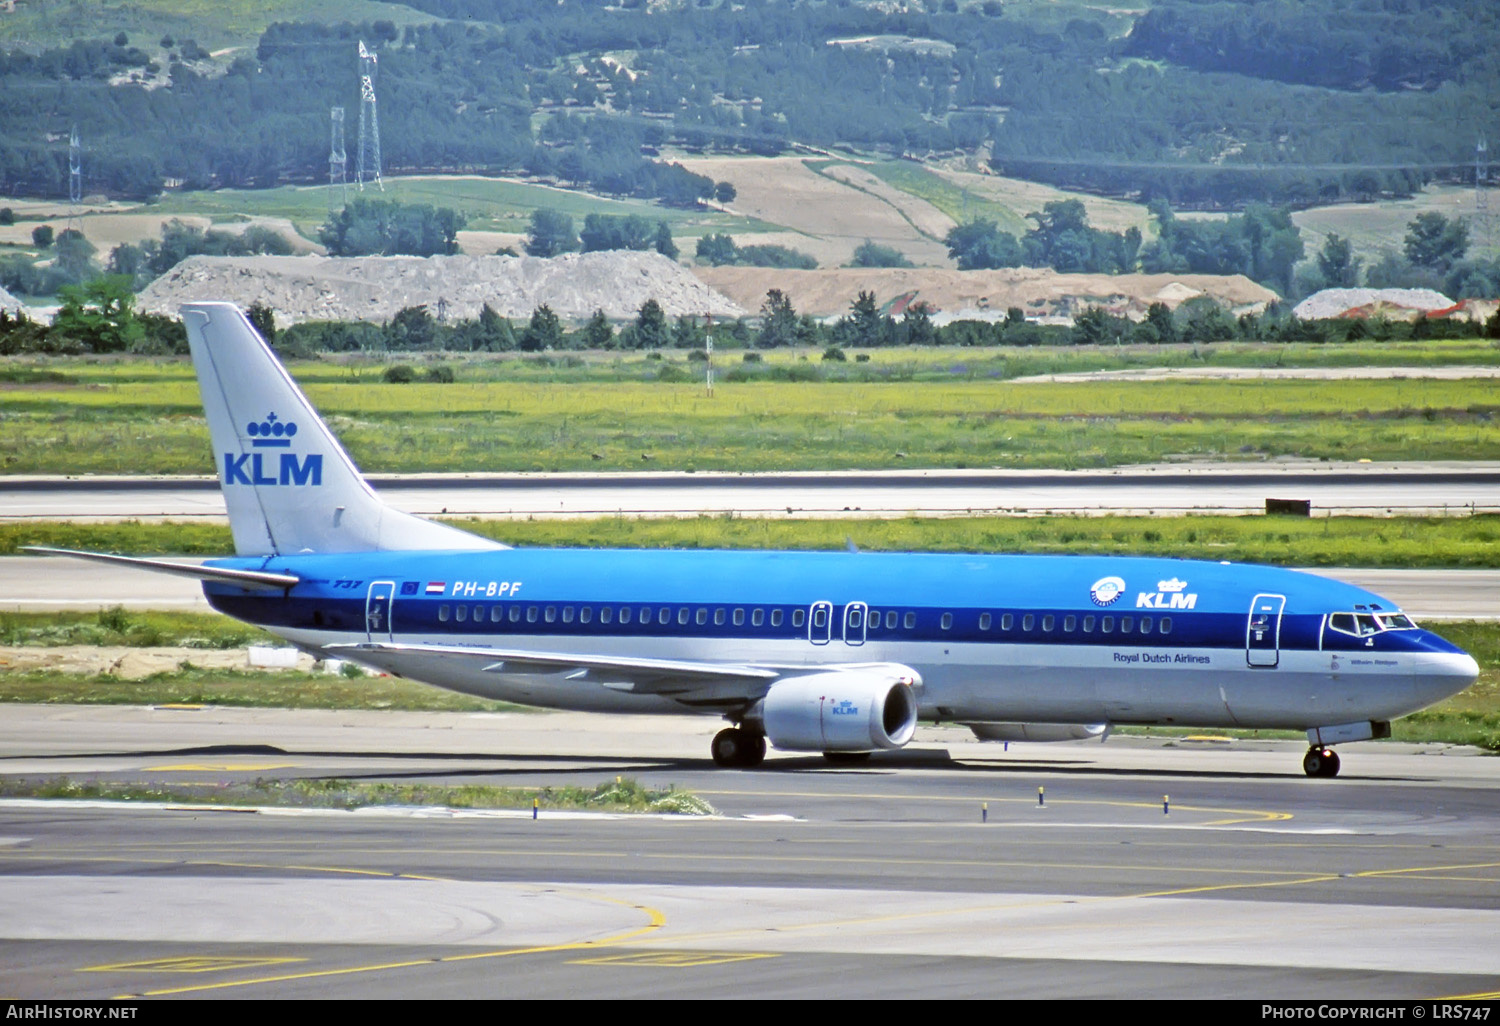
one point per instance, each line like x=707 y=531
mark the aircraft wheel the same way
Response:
x=737 y=747
x=1321 y=762
x=846 y=758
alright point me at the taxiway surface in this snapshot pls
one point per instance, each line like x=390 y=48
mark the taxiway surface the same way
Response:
x=883 y=881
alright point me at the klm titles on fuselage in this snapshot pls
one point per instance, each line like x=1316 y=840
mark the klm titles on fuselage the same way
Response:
x=255 y=468
x=1169 y=594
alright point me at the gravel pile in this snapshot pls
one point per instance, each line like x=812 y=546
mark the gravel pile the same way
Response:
x=313 y=288
x=9 y=303
x=1335 y=302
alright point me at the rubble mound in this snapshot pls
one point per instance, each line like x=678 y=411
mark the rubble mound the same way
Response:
x=1391 y=303
x=9 y=303
x=314 y=288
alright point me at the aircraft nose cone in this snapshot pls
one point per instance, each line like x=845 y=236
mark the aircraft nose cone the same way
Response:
x=1451 y=673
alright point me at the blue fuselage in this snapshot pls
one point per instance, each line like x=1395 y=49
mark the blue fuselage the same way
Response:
x=1067 y=639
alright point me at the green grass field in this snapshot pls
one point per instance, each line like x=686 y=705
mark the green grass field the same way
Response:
x=133 y=417
x=491 y=204
x=213 y=23
x=1410 y=542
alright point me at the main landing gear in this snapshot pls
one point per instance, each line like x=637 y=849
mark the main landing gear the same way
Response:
x=738 y=747
x=1321 y=762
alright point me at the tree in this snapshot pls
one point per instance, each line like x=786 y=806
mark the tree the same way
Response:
x=724 y=192
x=100 y=315
x=1436 y=242
x=866 y=327
x=868 y=254
x=544 y=331
x=1337 y=263
x=413 y=327
x=597 y=333
x=551 y=233
x=778 y=321
x=663 y=242
x=388 y=227
x=718 y=250
x=41 y=236
x=495 y=333
x=263 y=319
x=1159 y=317
x=650 y=330
x=73 y=255
x=7 y=215
x=608 y=231
x=981 y=244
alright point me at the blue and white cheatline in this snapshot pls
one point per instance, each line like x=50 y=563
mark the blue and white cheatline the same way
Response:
x=834 y=652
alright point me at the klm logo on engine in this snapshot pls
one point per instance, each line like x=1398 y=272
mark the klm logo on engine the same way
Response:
x=845 y=708
x=265 y=469
x=1170 y=594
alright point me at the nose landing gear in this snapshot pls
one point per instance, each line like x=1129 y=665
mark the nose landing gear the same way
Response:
x=1321 y=762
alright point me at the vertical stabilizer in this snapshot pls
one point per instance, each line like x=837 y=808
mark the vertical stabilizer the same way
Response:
x=288 y=484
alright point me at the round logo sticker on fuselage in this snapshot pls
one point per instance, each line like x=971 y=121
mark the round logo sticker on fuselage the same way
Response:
x=1106 y=590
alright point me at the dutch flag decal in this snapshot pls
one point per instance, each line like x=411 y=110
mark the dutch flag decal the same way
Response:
x=435 y=587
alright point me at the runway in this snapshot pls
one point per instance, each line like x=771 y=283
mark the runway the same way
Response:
x=1376 y=489
x=814 y=882
x=50 y=582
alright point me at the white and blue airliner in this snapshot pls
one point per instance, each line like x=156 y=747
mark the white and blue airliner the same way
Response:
x=839 y=653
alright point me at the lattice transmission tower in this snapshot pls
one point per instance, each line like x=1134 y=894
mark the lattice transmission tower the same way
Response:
x=368 y=166
x=75 y=175
x=1481 y=193
x=338 y=161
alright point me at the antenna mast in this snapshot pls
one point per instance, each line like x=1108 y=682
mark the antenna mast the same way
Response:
x=338 y=161
x=368 y=166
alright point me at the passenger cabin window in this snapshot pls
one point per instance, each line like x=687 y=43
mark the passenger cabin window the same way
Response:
x=890 y=619
x=1106 y=625
x=1048 y=622
x=799 y=617
x=1165 y=626
x=625 y=614
x=1070 y=624
x=984 y=621
x=567 y=614
x=1088 y=625
x=1007 y=621
x=739 y=617
x=663 y=615
x=1127 y=623
x=683 y=614
x=947 y=621
x=1028 y=622
x=586 y=614
x=531 y=614
x=757 y=617
x=910 y=621
x=776 y=616
x=551 y=614
x=463 y=613
x=443 y=613
x=718 y=617
x=606 y=614
x=701 y=617
x=1145 y=625
x=496 y=612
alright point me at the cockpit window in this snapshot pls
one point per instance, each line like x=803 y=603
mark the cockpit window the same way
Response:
x=1363 y=625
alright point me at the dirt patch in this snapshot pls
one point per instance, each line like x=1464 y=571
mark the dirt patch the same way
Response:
x=830 y=216
x=9 y=303
x=1024 y=197
x=310 y=288
x=126 y=663
x=955 y=295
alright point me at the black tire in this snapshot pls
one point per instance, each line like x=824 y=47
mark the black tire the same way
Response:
x=728 y=747
x=737 y=748
x=1321 y=762
x=846 y=758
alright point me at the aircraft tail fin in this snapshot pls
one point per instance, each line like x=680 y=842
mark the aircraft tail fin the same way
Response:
x=288 y=484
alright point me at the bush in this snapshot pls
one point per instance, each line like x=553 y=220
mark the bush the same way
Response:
x=834 y=353
x=399 y=374
x=751 y=357
x=440 y=373
x=698 y=355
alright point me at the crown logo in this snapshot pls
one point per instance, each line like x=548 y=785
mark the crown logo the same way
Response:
x=1171 y=585
x=271 y=433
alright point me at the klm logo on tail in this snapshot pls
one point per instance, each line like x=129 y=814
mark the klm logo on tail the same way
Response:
x=258 y=468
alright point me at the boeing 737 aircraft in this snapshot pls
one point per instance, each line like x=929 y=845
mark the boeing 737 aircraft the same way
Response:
x=839 y=653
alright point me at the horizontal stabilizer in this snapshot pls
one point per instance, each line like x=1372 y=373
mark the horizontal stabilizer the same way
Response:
x=244 y=578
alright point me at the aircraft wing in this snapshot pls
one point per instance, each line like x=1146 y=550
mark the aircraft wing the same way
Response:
x=687 y=681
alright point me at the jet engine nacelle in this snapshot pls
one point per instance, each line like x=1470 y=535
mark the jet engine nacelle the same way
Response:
x=1038 y=731
x=861 y=710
